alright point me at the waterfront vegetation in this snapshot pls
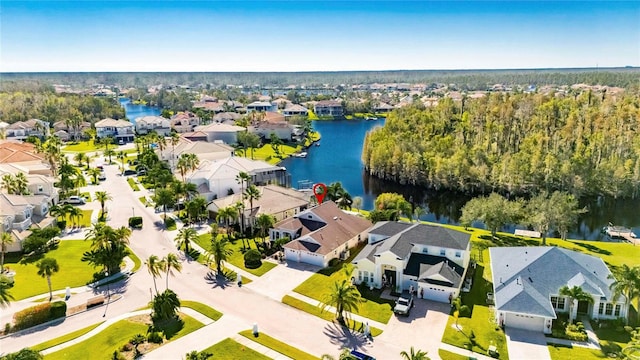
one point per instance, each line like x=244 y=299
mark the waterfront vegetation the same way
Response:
x=518 y=143
x=279 y=346
x=73 y=272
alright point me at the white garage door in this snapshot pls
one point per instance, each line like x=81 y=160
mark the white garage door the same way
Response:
x=534 y=323
x=435 y=294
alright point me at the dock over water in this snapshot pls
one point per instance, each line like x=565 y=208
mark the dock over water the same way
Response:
x=623 y=233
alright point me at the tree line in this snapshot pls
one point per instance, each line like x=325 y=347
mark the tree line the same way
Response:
x=584 y=144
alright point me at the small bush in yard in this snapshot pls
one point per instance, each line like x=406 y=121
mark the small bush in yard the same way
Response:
x=39 y=314
x=58 y=310
x=135 y=222
x=154 y=337
x=252 y=259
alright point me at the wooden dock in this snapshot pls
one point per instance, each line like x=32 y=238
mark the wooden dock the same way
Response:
x=619 y=232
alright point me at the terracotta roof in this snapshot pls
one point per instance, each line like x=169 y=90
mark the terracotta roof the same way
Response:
x=13 y=152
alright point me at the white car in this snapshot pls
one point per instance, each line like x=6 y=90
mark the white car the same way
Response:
x=75 y=200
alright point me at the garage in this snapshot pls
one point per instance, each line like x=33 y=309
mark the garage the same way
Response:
x=526 y=322
x=434 y=293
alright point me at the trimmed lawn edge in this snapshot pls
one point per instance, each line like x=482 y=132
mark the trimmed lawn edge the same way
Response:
x=65 y=338
x=277 y=345
x=203 y=309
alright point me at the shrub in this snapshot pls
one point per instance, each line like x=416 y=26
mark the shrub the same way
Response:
x=334 y=262
x=39 y=314
x=7 y=328
x=58 y=310
x=252 y=259
x=24 y=354
x=465 y=311
x=62 y=224
x=155 y=337
x=126 y=347
x=169 y=222
x=34 y=244
x=135 y=222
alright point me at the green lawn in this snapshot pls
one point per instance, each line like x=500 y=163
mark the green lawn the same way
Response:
x=136 y=261
x=561 y=352
x=326 y=315
x=203 y=309
x=73 y=272
x=448 y=355
x=277 y=345
x=237 y=257
x=83 y=221
x=611 y=341
x=486 y=331
x=82 y=146
x=116 y=335
x=65 y=338
x=267 y=154
x=228 y=349
x=143 y=200
x=318 y=287
x=133 y=184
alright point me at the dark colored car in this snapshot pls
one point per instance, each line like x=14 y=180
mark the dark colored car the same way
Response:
x=361 y=356
x=129 y=172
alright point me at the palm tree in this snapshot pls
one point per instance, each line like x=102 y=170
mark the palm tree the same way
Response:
x=79 y=157
x=109 y=153
x=220 y=251
x=344 y=297
x=108 y=246
x=170 y=262
x=264 y=222
x=121 y=155
x=574 y=294
x=21 y=184
x=5 y=296
x=626 y=283
x=165 y=306
x=164 y=197
x=252 y=193
x=102 y=197
x=5 y=240
x=94 y=173
x=154 y=266
x=8 y=183
x=227 y=215
x=74 y=215
x=185 y=236
x=46 y=268
x=345 y=354
x=195 y=208
x=414 y=355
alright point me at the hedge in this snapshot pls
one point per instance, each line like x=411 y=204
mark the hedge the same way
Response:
x=135 y=222
x=39 y=314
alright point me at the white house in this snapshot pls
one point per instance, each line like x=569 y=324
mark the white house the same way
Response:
x=118 y=129
x=295 y=110
x=217 y=178
x=184 y=121
x=217 y=131
x=203 y=150
x=320 y=234
x=527 y=281
x=328 y=108
x=261 y=106
x=147 y=124
x=431 y=259
x=23 y=129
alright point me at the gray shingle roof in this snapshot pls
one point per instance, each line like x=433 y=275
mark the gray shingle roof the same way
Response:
x=524 y=278
x=389 y=228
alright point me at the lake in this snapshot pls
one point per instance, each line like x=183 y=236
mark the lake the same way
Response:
x=134 y=111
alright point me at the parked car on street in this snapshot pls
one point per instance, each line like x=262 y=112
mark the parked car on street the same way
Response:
x=129 y=172
x=74 y=200
x=102 y=176
x=403 y=304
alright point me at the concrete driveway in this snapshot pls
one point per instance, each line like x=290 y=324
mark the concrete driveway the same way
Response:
x=282 y=279
x=428 y=318
x=525 y=344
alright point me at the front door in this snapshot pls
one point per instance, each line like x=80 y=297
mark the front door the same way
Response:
x=390 y=276
x=583 y=307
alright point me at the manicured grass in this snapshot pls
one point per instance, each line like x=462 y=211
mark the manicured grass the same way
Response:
x=237 y=257
x=133 y=184
x=561 y=352
x=116 y=335
x=448 y=355
x=136 y=261
x=170 y=223
x=143 y=200
x=228 y=349
x=318 y=287
x=203 y=309
x=486 y=331
x=267 y=154
x=326 y=315
x=83 y=146
x=65 y=338
x=73 y=272
x=279 y=346
x=83 y=221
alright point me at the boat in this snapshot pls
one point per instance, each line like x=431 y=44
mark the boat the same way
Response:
x=318 y=143
x=300 y=155
x=371 y=118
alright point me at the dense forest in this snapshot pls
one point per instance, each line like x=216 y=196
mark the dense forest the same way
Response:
x=465 y=79
x=52 y=107
x=585 y=144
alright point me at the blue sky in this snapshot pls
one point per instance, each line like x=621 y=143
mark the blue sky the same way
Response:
x=315 y=35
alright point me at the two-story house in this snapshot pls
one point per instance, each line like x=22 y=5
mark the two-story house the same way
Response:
x=118 y=129
x=147 y=124
x=184 y=121
x=23 y=129
x=328 y=108
x=295 y=110
x=261 y=106
x=431 y=259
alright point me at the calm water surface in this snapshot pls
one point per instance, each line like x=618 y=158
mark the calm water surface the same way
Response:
x=133 y=111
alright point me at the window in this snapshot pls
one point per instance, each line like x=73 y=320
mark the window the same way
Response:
x=557 y=302
x=617 y=311
x=442 y=252
x=371 y=277
x=458 y=254
x=601 y=309
x=359 y=275
x=425 y=250
x=609 y=309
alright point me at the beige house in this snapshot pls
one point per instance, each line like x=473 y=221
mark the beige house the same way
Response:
x=216 y=131
x=320 y=234
x=277 y=201
x=147 y=124
x=184 y=121
x=118 y=129
x=18 y=156
x=23 y=129
x=203 y=150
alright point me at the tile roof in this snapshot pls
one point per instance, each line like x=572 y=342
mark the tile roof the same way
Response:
x=524 y=278
x=108 y=122
x=218 y=127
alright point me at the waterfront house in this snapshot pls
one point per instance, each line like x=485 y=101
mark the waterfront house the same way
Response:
x=217 y=131
x=202 y=149
x=382 y=107
x=259 y=106
x=295 y=110
x=118 y=129
x=320 y=234
x=274 y=200
x=527 y=282
x=150 y=123
x=431 y=259
x=328 y=108
x=217 y=178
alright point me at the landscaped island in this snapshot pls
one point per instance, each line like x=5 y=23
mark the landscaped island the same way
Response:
x=582 y=143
